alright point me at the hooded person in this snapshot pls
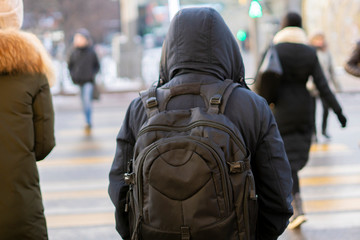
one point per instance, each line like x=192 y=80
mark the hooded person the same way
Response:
x=26 y=125
x=199 y=49
x=293 y=104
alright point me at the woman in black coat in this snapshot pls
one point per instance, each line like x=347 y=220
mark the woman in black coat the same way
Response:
x=293 y=105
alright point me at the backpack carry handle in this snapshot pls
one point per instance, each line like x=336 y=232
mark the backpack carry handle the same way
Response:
x=214 y=100
x=185 y=89
x=156 y=101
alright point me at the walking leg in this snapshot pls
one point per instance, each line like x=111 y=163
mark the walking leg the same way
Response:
x=298 y=217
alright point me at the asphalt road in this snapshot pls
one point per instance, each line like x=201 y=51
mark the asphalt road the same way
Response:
x=74 y=177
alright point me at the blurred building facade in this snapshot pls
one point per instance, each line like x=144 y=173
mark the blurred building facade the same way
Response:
x=338 y=20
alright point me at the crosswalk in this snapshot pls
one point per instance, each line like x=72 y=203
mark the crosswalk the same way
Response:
x=330 y=188
x=78 y=196
x=74 y=177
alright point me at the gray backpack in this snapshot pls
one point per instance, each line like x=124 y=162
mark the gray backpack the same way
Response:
x=191 y=176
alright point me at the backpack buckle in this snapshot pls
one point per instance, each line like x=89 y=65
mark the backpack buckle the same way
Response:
x=238 y=167
x=129 y=178
x=216 y=99
x=151 y=102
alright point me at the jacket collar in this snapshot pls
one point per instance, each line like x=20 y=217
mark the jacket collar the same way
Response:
x=291 y=35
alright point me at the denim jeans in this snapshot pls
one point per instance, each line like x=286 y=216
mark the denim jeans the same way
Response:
x=86 y=98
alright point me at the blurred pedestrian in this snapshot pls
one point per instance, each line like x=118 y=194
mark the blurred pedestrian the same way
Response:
x=293 y=105
x=352 y=66
x=325 y=59
x=200 y=52
x=83 y=65
x=26 y=125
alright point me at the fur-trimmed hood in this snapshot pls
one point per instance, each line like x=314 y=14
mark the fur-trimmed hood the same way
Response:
x=23 y=52
x=291 y=35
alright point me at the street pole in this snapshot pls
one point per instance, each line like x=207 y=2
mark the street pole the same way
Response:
x=127 y=48
x=129 y=15
x=255 y=12
x=254 y=43
x=294 y=6
x=174 y=7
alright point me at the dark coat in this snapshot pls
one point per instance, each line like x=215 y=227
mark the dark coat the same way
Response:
x=294 y=106
x=199 y=48
x=352 y=66
x=26 y=134
x=83 y=65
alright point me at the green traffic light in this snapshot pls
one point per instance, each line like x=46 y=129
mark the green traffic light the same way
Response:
x=241 y=35
x=255 y=10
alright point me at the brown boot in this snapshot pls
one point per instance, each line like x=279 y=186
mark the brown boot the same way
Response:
x=298 y=217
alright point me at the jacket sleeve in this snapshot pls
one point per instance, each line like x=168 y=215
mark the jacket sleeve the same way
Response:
x=96 y=64
x=352 y=66
x=43 y=121
x=273 y=180
x=324 y=89
x=117 y=186
x=70 y=62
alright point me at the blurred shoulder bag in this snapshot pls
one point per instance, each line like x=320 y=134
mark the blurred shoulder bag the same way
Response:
x=96 y=92
x=271 y=62
x=269 y=75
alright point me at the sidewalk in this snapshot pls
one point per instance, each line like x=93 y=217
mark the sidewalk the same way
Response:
x=349 y=83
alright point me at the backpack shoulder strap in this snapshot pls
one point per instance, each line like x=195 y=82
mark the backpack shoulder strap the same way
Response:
x=218 y=101
x=150 y=101
x=227 y=95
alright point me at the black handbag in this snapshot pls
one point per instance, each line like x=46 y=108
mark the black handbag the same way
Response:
x=269 y=75
x=271 y=62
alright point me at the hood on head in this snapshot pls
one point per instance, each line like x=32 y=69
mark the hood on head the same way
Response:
x=84 y=32
x=198 y=40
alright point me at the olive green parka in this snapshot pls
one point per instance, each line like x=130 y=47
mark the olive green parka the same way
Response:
x=26 y=133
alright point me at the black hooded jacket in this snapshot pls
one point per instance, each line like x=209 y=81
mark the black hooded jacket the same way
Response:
x=83 y=65
x=199 y=48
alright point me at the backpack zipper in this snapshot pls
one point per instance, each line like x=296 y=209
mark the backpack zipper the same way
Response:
x=224 y=176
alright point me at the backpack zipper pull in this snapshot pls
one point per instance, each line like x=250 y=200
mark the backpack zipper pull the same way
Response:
x=127 y=202
x=253 y=195
x=127 y=199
